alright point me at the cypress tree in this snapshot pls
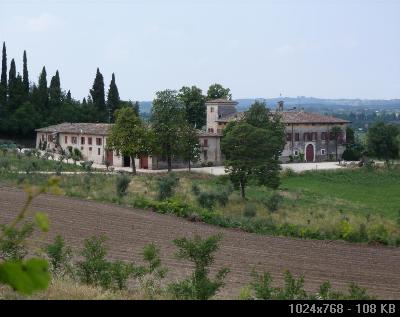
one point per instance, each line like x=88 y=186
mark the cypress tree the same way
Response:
x=3 y=82
x=25 y=75
x=69 y=98
x=4 y=66
x=43 y=90
x=12 y=77
x=113 y=101
x=97 y=93
x=55 y=90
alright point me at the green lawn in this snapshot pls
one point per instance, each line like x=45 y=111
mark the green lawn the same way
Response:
x=365 y=192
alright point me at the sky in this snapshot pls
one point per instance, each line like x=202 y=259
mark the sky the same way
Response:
x=258 y=49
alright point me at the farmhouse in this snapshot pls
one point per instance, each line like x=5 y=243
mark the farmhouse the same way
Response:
x=308 y=138
x=308 y=135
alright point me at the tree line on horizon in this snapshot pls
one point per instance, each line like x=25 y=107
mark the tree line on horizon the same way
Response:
x=26 y=105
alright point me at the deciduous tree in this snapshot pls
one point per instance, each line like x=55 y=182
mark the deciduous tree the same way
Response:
x=195 y=105
x=167 y=118
x=130 y=136
x=216 y=91
x=382 y=141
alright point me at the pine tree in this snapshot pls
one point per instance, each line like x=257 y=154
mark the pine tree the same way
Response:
x=43 y=90
x=3 y=82
x=55 y=91
x=98 y=98
x=113 y=101
x=25 y=76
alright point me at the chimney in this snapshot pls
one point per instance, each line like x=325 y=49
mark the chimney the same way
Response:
x=280 y=105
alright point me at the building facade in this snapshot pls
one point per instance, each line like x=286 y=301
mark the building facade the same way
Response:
x=308 y=138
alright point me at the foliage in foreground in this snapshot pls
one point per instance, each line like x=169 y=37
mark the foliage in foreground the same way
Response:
x=293 y=289
x=198 y=285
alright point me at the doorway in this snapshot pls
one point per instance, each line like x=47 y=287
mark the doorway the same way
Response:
x=310 y=153
x=144 y=162
x=127 y=161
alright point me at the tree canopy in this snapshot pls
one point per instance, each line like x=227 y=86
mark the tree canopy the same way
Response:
x=382 y=141
x=252 y=147
x=216 y=91
x=195 y=105
x=129 y=136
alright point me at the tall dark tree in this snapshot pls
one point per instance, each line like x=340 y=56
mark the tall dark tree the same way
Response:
x=12 y=78
x=195 y=105
x=68 y=98
x=167 y=118
x=3 y=82
x=43 y=91
x=97 y=93
x=25 y=76
x=216 y=91
x=55 y=91
x=113 y=101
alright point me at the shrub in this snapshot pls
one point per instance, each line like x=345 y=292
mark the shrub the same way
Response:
x=209 y=164
x=195 y=189
x=87 y=165
x=198 y=285
x=166 y=186
x=120 y=272
x=58 y=167
x=11 y=246
x=30 y=167
x=122 y=184
x=60 y=256
x=250 y=210
x=207 y=200
x=94 y=269
x=273 y=202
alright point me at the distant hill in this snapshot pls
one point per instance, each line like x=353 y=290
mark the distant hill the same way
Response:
x=307 y=103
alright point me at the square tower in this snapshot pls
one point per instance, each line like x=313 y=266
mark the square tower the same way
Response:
x=218 y=109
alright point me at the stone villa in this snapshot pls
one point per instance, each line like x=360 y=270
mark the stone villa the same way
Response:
x=307 y=134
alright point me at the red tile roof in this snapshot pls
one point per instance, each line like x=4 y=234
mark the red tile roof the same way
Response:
x=78 y=128
x=295 y=117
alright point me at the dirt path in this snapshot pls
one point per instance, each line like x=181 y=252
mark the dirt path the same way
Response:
x=374 y=267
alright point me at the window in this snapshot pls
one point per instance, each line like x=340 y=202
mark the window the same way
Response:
x=43 y=137
x=205 y=154
x=211 y=130
x=98 y=151
x=89 y=140
x=297 y=136
x=314 y=136
x=90 y=149
x=66 y=139
x=322 y=151
x=205 y=142
x=296 y=152
x=323 y=135
x=73 y=139
x=98 y=141
x=307 y=136
x=212 y=109
x=49 y=138
x=82 y=140
x=81 y=148
x=288 y=137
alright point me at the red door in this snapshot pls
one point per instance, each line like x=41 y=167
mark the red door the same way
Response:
x=144 y=162
x=109 y=157
x=310 y=153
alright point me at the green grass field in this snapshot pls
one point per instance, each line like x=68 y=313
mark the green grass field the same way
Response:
x=358 y=190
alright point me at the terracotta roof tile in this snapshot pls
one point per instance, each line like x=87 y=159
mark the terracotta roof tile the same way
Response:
x=78 y=128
